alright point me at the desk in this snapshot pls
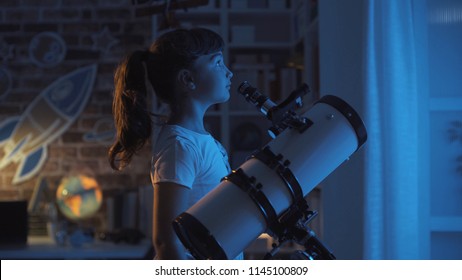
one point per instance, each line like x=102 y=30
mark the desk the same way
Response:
x=45 y=248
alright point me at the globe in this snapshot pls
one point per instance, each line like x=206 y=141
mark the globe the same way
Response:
x=78 y=197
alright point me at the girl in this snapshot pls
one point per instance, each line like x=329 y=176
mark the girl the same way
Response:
x=187 y=72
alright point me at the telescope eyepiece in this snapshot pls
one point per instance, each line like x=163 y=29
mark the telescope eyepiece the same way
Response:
x=243 y=87
x=253 y=96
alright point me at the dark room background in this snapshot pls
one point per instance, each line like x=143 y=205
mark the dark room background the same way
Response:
x=397 y=62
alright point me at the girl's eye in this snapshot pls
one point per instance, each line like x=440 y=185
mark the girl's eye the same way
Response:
x=218 y=62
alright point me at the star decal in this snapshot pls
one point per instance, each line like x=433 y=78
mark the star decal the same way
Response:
x=104 y=41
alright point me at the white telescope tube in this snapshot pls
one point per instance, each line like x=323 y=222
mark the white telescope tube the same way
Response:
x=227 y=220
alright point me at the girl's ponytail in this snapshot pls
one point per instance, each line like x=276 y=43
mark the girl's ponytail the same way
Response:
x=130 y=109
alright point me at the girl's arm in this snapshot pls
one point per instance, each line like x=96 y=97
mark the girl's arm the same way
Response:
x=170 y=200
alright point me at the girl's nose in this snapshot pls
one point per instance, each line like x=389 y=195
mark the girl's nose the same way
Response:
x=229 y=74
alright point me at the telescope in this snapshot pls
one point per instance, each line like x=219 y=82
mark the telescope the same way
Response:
x=267 y=192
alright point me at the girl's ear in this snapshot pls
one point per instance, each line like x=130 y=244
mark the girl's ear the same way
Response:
x=186 y=80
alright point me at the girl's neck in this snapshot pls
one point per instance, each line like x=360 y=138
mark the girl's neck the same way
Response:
x=189 y=124
x=190 y=117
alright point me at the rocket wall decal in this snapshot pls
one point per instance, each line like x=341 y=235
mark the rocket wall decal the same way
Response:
x=24 y=139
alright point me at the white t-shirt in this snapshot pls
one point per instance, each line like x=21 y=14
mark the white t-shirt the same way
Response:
x=194 y=160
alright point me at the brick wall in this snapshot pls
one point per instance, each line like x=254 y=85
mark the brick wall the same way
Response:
x=94 y=32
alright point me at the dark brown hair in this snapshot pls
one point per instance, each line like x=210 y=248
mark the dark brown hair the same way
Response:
x=171 y=52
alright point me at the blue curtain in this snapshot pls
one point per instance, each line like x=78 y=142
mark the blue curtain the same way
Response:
x=391 y=165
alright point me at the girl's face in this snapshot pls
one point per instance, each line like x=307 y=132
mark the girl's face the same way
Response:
x=212 y=79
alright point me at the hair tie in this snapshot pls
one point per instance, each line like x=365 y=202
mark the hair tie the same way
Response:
x=142 y=55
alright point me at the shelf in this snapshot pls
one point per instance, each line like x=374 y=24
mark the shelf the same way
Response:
x=260 y=12
x=195 y=12
x=199 y=11
x=45 y=248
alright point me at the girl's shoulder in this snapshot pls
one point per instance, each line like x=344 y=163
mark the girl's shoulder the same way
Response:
x=184 y=134
x=176 y=135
